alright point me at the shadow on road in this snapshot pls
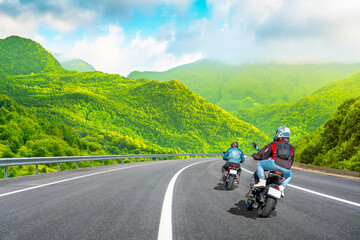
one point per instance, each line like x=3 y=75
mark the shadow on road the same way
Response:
x=241 y=210
x=220 y=187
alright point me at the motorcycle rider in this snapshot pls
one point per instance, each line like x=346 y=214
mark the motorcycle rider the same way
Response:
x=278 y=155
x=233 y=155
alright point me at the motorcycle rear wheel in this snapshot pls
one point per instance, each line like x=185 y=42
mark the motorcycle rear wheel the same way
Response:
x=230 y=183
x=266 y=209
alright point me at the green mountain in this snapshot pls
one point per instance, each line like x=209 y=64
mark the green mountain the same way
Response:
x=24 y=56
x=306 y=115
x=336 y=143
x=77 y=65
x=121 y=113
x=252 y=85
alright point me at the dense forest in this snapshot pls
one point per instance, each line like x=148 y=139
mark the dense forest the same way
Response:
x=336 y=143
x=252 y=85
x=306 y=115
x=24 y=56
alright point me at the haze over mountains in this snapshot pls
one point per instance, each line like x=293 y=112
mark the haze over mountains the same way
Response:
x=252 y=85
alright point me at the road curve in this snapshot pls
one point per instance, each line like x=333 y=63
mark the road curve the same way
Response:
x=118 y=202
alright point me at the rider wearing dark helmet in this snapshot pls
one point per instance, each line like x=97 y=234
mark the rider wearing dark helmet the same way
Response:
x=277 y=155
x=232 y=155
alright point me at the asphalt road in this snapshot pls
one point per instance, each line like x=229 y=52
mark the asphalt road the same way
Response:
x=125 y=202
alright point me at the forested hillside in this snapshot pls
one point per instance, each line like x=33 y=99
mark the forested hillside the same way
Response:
x=336 y=143
x=24 y=135
x=129 y=115
x=306 y=115
x=252 y=85
x=24 y=56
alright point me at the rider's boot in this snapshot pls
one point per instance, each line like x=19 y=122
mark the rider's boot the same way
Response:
x=250 y=194
x=222 y=176
x=237 y=180
x=282 y=188
x=261 y=183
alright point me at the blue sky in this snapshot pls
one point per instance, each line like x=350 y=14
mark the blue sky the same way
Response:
x=117 y=36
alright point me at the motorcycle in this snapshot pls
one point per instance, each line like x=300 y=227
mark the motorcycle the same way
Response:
x=230 y=176
x=265 y=199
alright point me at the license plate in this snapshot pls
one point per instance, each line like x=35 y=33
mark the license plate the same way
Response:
x=274 y=193
x=233 y=171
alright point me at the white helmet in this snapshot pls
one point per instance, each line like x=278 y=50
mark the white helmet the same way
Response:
x=282 y=132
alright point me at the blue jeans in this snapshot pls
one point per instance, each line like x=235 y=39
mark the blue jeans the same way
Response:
x=269 y=164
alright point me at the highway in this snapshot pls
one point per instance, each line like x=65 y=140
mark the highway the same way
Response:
x=127 y=202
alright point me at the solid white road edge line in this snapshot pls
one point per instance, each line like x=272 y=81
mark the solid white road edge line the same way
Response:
x=66 y=180
x=317 y=193
x=165 y=226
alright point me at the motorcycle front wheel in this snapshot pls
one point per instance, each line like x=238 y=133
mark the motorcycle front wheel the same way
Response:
x=265 y=209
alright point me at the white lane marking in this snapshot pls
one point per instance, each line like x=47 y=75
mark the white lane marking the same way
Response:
x=165 y=227
x=325 y=195
x=66 y=180
x=317 y=193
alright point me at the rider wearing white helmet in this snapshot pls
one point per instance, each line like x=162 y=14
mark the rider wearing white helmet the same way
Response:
x=277 y=155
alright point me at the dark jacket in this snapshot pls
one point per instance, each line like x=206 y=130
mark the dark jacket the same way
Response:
x=269 y=151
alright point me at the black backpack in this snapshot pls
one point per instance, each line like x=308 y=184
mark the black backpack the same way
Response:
x=283 y=151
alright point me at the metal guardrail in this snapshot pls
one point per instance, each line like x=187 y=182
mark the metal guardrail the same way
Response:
x=7 y=162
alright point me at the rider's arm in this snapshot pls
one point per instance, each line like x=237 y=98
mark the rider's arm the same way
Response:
x=264 y=153
x=226 y=155
x=293 y=155
x=242 y=158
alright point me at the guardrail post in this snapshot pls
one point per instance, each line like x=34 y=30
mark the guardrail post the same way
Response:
x=59 y=166
x=37 y=169
x=113 y=161
x=90 y=163
x=122 y=161
x=6 y=172
x=77 y=164
x=103 y=162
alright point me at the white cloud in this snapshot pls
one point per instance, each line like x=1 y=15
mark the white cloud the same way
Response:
x=22 y=25
x=38 y=38
x=110 y=54
x=276 y=30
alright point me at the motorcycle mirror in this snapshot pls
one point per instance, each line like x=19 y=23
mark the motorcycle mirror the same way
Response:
x=223 y=152
x=255 y=146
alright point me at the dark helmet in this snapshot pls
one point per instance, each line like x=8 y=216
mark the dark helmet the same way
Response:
x=235 y=144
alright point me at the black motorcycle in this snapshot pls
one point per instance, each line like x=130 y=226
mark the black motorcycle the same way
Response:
x=230 y=176
x=265 y=199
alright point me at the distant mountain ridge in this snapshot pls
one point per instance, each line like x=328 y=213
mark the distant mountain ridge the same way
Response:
x=73 y=64
x=252 y=85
